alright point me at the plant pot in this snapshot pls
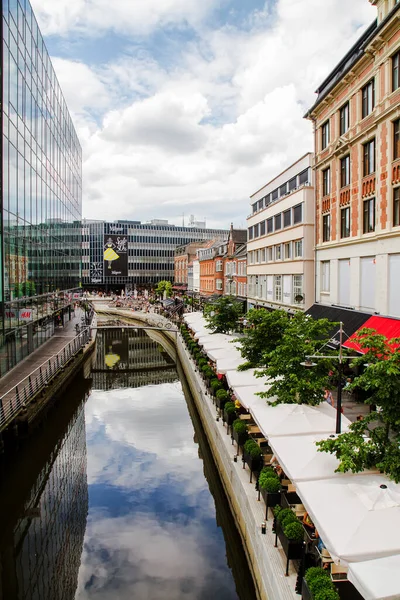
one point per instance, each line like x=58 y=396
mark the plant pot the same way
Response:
x=255 y=464
x=305 y=592
x=221 y=402
x=240 y=438
x=271 y=499
x=229 y=418
x=293 y=550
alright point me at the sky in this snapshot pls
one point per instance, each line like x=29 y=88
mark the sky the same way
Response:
x=187 y=107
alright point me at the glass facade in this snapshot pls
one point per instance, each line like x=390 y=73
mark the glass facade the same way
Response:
x=151 y=250
x=41 y=191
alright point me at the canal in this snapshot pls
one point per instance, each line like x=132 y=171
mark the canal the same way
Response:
x=117 y=496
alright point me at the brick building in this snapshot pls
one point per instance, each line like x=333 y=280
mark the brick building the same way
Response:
x=235 y=264
x=184 y=256
x=357 y=144
x=211 y=269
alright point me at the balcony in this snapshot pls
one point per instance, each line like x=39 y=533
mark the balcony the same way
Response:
x=344 y=198
x=368 y=186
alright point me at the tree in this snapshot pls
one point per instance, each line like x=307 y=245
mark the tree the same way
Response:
x=223 y=315
x=373 y=441
x=292 y=382
x=164 y=287
x=261 y=337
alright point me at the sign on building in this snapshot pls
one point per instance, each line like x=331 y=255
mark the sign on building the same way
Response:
x=115 y=256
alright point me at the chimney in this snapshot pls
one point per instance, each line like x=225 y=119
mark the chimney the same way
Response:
x=384 y=7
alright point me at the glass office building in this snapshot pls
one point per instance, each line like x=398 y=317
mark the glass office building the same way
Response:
x=129 y=254
x=41 y=192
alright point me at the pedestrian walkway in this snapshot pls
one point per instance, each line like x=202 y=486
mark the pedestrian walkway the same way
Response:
x=42 y=355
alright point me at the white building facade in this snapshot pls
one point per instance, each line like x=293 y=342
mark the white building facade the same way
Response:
x=196 y=275
x=280 y=246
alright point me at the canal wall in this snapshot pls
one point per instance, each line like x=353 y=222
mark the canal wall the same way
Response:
x=265 y=561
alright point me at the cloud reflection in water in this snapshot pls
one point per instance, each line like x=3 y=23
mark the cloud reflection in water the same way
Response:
x=151 y=530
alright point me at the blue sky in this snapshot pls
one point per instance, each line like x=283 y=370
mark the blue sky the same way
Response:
x=187 y=106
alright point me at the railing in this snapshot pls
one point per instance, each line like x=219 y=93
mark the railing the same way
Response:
x=17 y=399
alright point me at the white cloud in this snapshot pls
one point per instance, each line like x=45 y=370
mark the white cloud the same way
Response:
x=200 y=133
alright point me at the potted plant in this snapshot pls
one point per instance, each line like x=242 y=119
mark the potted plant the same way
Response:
x=318 y=585
x=253 y=455
x=215 y=385
x=239 y=432
x=222 y=397
x=229 y=413
x=290 y=532
x=270 y=488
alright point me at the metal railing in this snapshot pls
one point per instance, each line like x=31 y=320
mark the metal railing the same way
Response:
x=17 y=398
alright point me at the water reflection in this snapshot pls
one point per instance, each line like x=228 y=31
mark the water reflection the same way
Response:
x=44 y=504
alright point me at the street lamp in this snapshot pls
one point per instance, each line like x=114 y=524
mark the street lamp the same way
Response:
x=308 y=364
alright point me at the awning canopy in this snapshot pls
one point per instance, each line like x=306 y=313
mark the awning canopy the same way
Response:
x=357 y=517
x=213 y=341
x=247 y=394
x=228 y=364
x=351 y=319
x=244 y=378
x=229 y=351
x=376 y=579
x=390 y=328
x=301 y=461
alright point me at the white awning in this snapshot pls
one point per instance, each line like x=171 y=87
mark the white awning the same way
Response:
x=377 y=579
x=228 y=364
x=357 y=517
x=245 y=394
x=301 y=461
x=212 y=341
x=237 y=379
x=228 y=352
x=294 y=419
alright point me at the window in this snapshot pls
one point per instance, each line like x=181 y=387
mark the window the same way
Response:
x=369 y=215
x=298 y=289
x=345 y=171
x=396 y=206
x=326 y=182
x=250 y=233
x=218 y=284
x=278 y=288
x=344 y=118
x=263 y=255
x=270 y=225
x=278 y=221
x=369 y=158
x=283 y=190
x=255 y=207
x=261 y=204
x=257 y=256
x=345 y=222
x=219 y=265
x=287 y=218
x=287 y=250
x=278 y=252
x=297 y=214
x=292 y=184
x=274 y=195
x=303 y=177
x=368 y=98
x=256 y=230
x=325 y=276
x=262 y=228
x=269 y=254
x=395 y=71
x=298 y=248
x=396 y=139
x=326 y=228
x=325 y=135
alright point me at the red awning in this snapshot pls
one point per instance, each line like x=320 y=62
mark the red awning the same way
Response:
x=382 y=325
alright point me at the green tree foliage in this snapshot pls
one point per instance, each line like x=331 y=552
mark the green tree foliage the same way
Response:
x=223 y=315
x=26 y=288
x=164 y=287
x=292 y=382
x=261 y=337
x=375 y=440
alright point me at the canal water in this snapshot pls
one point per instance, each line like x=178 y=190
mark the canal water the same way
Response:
x=117 y=497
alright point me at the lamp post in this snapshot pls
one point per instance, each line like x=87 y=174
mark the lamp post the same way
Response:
x=309 y=364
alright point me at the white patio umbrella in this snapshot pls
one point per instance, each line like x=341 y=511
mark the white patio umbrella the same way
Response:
x=301 y=461
x=228 y=364
x=228 y=352
x=377 y=579
x=245 y=394
x=358 y=517
x=294 y=419
x=237 y=379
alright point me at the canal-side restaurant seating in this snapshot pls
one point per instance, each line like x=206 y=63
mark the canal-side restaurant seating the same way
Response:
x=351 y=521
